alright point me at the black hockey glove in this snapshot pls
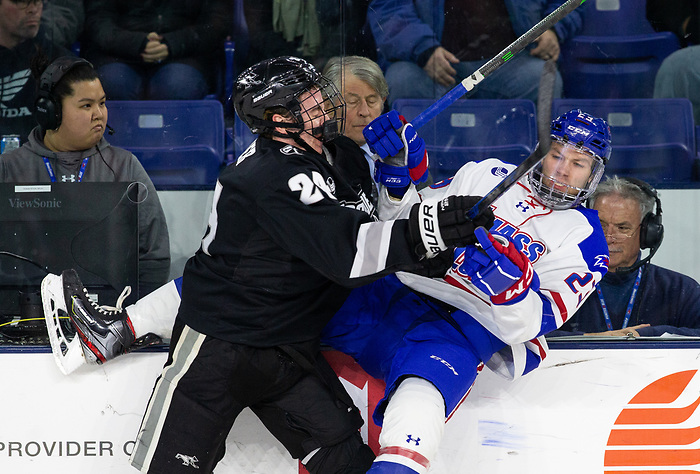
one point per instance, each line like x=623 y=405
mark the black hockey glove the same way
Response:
x=435 y=225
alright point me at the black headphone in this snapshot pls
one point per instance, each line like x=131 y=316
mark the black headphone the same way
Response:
x=651 y=230
x=47 y=111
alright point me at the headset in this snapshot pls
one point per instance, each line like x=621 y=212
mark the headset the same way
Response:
x=47 y=111
x=651 y=230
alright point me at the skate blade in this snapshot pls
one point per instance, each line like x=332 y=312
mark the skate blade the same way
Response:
x=68 y=353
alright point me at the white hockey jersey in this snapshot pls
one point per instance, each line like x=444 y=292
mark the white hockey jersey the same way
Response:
x=566 y=247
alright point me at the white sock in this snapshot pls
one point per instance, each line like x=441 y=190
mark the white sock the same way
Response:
x=414 y=422
x=156 y=311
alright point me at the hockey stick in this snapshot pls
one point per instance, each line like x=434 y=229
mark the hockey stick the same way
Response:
x=544 y=117
x=494 y=63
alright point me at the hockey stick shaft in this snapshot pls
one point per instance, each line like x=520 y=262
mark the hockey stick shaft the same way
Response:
x=544 y=115
x=494 y=63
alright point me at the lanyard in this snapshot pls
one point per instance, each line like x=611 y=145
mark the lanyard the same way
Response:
x=628 y=313
x=52 y=175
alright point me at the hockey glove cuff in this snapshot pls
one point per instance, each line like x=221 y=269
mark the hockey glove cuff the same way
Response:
x=498 y=268
x=404 y=159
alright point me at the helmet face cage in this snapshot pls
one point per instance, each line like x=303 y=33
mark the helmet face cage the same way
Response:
x=324 y=96
x=582 y=133
x=280 y=83
x=558 y=195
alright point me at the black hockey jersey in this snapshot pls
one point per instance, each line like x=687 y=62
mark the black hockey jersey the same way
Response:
x=289 y=234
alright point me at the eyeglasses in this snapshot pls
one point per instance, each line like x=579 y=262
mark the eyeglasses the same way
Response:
x=24 y=4
x=619 y=231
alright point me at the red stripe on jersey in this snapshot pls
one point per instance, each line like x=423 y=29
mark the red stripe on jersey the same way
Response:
x=455 y=282
x=560 y=305
x=540 y=349
x=406 y=453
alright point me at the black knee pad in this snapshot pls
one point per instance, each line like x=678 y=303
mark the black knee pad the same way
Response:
x=351 y=456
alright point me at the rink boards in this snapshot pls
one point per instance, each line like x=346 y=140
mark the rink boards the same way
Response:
x=621 y=407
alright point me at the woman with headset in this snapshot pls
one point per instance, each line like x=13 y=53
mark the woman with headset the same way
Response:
x=68 y=146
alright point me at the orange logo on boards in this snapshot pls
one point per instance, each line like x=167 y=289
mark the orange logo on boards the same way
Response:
x=661 y=437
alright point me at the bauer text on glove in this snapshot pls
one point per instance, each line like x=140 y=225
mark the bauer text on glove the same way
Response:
x=437 y=224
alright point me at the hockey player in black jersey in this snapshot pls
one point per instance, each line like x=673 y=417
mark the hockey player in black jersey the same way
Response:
x=290 y=232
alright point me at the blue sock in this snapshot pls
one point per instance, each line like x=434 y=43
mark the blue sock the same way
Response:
x=385 y=467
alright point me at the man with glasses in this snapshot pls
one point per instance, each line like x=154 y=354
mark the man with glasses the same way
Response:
x=19 y=43
x=635 y=298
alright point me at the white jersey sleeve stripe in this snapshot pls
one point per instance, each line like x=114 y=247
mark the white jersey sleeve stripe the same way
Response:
x=373 y=241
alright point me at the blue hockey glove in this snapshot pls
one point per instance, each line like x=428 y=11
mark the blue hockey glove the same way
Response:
x=498 y=269
x=404 y=159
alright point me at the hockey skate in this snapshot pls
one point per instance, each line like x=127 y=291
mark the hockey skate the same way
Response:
x=102 y=332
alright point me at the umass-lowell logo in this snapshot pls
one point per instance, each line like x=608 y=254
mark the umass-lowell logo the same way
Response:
x=36 y=203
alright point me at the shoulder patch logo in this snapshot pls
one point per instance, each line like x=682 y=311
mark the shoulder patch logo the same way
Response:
x=602 y=261
x=290 y=150
x=499 y=172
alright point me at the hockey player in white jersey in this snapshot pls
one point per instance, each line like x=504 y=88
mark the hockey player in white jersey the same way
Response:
x=445 y=330
x=529 y=274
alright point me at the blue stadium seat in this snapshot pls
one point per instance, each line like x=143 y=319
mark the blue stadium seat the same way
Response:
x=474 y=129
x=652 y=139
x=615 y=18
x=617 y=54
x=179 y=143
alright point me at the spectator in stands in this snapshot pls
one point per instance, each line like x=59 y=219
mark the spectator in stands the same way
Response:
x=344 y=29
x=364 y=89
x=425 y=48
x=156 y=50
x=314 y=30
x=679 y=74
x=279 y=29
x=362 y=84
x=62 y=21
x=635 y=297
x=19 y=25
x=68 y=145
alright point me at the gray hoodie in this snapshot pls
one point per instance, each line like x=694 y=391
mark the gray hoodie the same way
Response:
x=105 y=163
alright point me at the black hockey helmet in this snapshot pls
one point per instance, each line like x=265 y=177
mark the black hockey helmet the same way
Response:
x=278 y=83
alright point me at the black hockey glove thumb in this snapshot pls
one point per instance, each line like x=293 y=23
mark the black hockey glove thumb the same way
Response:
x=435 y=225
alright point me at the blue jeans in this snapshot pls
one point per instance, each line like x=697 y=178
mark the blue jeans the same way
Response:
x=170 y=81
x=519 y=78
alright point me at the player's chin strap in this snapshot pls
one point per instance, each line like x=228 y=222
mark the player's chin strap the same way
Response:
x=327 y=132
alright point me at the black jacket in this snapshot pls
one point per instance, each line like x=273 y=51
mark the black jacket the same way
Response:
x=18 y=87
x=194 y=30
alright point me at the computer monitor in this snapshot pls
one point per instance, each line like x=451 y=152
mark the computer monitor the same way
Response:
x=91 y=227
